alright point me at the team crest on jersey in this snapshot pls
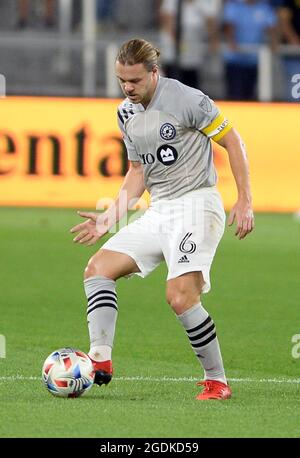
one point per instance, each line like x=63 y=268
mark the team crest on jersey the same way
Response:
x=167 y=154
x=167 y=131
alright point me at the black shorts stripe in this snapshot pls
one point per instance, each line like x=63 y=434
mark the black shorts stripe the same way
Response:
x=205 y=342
x=102 y=298
x=208 y=319
x=202 y=334
x=102 y=305
x=106 y=291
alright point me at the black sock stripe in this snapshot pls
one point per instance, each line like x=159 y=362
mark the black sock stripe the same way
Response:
x=106 y=291
x=102 y=305
x=107 y=301
x=202 y=334
x=102 y=298
x=205 y=342
x=208 y=319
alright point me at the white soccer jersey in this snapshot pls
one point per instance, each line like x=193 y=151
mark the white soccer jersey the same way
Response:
x=171 y=138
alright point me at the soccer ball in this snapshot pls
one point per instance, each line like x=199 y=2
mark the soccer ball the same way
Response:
x=68 y=373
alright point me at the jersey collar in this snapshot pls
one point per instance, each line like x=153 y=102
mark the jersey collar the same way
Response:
x=156 y=93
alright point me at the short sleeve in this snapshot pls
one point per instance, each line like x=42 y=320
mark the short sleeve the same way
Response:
x=201 y=113
x=199 y=110
x=131 y=151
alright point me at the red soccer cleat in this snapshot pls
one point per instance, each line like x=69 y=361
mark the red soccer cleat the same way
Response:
x=103 y=371
x=214 y=390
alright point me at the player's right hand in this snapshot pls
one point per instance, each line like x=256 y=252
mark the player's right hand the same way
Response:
x=91 y=230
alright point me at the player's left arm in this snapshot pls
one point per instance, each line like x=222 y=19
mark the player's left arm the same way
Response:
x=200 y=112
x=242 y=210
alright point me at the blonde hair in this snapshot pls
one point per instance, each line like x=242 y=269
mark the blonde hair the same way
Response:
x=138 y=51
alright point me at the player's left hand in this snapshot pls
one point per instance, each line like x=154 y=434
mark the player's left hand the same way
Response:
x=91 y=230
x=242 y=213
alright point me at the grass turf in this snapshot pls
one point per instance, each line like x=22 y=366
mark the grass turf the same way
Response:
x=254 y=302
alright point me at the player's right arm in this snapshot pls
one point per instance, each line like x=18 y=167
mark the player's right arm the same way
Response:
x=98 y=224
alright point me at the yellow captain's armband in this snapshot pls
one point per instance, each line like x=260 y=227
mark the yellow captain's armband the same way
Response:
x=218 y=128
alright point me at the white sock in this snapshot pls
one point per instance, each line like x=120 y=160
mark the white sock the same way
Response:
x=100 y=353
x=102 y=314
x=201 y=332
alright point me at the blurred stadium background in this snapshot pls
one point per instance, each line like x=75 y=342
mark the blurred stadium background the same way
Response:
x=60 y=147
x=68 y=49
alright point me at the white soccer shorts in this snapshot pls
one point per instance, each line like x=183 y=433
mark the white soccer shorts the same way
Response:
x=185 y=232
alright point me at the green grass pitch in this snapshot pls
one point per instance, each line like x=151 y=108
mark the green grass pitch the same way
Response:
x=254 y=302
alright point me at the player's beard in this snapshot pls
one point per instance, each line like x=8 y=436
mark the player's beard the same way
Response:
x=134 y=98
x=143 y=98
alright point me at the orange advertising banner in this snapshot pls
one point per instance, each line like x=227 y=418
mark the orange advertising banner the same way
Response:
x=70 y=153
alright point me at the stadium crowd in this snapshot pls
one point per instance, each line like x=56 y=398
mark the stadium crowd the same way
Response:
x=195 y=36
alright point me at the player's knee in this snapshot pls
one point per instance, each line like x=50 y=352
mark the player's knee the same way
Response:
x=90 y=270
x=179 y=300
x=95 y=267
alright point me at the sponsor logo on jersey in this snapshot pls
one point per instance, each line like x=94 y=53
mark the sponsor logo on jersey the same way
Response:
x=167 y=154
x=183 y=259
x=167 y=131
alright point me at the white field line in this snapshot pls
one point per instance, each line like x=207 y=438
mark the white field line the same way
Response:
x=164 y=379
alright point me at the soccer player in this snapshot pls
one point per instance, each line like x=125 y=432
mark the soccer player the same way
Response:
x=167 y=128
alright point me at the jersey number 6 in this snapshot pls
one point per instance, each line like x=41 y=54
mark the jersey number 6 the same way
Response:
x=186 y=245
